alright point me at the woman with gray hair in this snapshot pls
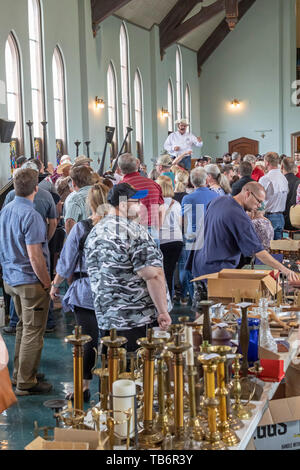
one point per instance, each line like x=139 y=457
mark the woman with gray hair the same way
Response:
x=216 y=181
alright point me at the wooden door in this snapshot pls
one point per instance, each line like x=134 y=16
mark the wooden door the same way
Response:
x=244 y=146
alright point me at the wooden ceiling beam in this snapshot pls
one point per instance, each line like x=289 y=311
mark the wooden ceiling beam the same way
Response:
x=101 y=9
x=219 y=34
x=204 y=15
x=175 y=16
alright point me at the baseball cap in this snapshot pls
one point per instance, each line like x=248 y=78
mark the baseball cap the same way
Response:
x=203 y=159
x=124 y=190
x=81 y=160
x=164 y=160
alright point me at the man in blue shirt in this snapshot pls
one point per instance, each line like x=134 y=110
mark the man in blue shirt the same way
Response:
x=24 y=257
x=228 y=233
x=44 y=204
x=194 y=205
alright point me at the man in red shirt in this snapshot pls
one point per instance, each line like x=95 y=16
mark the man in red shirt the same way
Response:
x=153 y=215
x=257 y=173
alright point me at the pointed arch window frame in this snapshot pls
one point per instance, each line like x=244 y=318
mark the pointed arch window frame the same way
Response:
x=125 y=81
x=171 y=119
x=139 y=112
x=36 y=66
x=112 y=104
x=59 y=96
x=14 y=94
x=188 y=103
x=178 y=83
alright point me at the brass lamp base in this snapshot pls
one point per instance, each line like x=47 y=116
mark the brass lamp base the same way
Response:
x=241 y=412
x=149 y=437
x=213 y=442
x=229 y=437
x=235 y=423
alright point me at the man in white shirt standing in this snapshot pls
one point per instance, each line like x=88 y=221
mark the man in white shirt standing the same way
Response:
x=276 y=187
x=180 y=142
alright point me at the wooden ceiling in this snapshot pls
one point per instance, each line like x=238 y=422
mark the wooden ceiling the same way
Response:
x=200 y=25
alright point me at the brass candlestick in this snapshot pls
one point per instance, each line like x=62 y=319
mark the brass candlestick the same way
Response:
x=234 y=422
x=149 y=437
x=212 y=437
x=177 y=348
x=113 y=343
x=229 y=437
x=194 y=421
x=238 y=408
x=78 y=340
x=103 y=375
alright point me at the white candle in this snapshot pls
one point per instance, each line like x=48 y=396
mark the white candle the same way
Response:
x=124 y=392
x=190 y=352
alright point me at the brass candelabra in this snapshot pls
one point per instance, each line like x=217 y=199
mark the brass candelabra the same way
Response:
x=78 y=340
x=149 y=437
x=228 y=436
x=113 y=343
x=212 y=439
x=177 y=348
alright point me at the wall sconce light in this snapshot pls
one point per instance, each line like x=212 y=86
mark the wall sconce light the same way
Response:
x=235 y=104
x=99 y=103
x=164 y=113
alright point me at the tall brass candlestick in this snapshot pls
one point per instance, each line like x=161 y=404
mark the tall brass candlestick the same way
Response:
x=238 y=409
x=113 y=343
x=78 y=340
x=234 y=422
x=212 y=437
x=177 y=348
x=195 y=421
x=229 y=437
x=149 y=437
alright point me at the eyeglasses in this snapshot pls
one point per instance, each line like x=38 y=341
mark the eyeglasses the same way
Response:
x=258 y=200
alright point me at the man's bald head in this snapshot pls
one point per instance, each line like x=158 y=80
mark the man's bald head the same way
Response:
x=251 y=196
x=254 y=187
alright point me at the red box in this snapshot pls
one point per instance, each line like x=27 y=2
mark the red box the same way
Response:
x=272 y=370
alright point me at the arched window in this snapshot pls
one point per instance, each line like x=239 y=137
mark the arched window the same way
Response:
x=112 y=105
x=138 y=108
x=36 y=66
x=178 y=84
x=170 y=106
x=13 y=88
x=125 y=81
x=58 y=74
x=188 y=103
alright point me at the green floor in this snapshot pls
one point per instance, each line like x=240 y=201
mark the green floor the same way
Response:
x=17 y=423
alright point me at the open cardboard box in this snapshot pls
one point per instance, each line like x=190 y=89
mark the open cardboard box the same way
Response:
x=279 y=428
x=244 y=284
x=67 y=439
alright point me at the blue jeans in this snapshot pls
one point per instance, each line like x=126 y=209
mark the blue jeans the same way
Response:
x=185 y=276
x=13 y=317
x=277 y=221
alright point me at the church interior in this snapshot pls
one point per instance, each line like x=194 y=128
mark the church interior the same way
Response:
x=99 y=81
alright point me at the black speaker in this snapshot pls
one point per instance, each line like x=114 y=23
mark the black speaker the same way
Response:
x=6 y=130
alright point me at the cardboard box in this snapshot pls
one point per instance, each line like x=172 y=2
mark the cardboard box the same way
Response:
x=67 y=439
x=243 y=284
x=279 y=428
x=285 y=245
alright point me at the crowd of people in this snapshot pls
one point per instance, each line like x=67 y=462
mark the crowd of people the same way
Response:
x=129 y=244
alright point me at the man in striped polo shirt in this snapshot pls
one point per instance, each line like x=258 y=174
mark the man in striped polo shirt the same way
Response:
x=152 y=212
